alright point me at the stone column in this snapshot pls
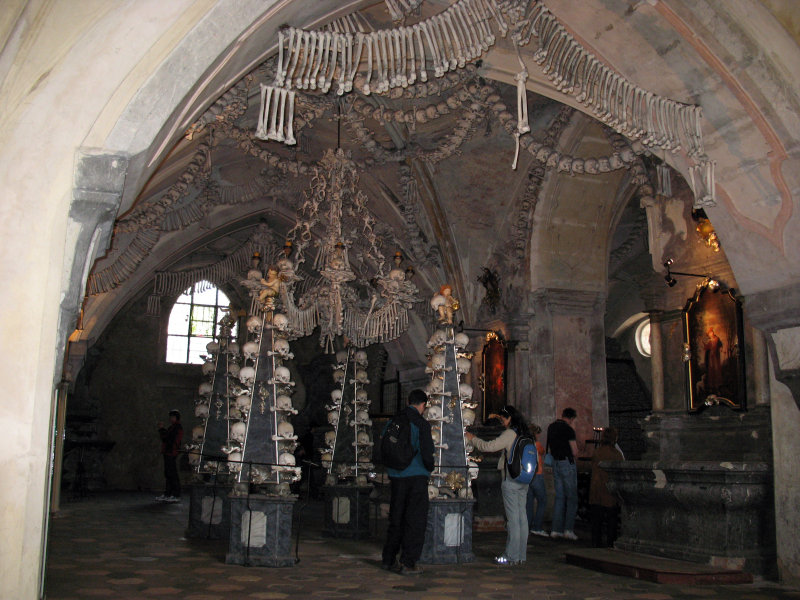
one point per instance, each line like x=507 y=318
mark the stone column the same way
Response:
x=656 y=360
x=519 y=392
x=569 y=340
x=760 y=368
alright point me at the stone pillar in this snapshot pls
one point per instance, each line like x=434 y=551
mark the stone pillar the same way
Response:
x=657 y=360
x=261 y=531
x=448 y=537
x=760 y=368
x=209 y=511
x=518 y=368
x=347 y=511
x=568 y=352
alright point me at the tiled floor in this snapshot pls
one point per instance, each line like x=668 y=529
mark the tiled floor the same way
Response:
x=128 y=546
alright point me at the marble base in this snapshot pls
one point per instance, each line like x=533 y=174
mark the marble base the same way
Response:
x=209 y=512
x=715 y=513
x=261 y=531
x=448 y=537
x=347 y=511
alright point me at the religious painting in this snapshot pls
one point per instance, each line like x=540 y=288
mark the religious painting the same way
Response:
x=493 y=375
x=714 y=350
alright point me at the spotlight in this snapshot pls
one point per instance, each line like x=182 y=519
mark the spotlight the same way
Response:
x=713 y=285
x=671 y=281
x=669 y=262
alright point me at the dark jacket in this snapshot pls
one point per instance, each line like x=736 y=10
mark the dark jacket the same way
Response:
x=422 y=442
x=171 y=439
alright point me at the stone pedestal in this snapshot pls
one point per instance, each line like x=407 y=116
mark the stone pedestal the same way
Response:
x=261 y=531
x=209 y=511
x=347 y=511
x=716 y=513
x=448 y=537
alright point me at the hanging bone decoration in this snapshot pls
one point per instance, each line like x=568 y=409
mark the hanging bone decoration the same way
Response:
x=334 y=302
x=398 y=9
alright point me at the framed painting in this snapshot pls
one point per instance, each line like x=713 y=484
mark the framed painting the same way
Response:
x=714 y=350
x=494 y=375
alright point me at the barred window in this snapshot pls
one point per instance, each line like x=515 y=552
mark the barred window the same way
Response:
x=194 y=322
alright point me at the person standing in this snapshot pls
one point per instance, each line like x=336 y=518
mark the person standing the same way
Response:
x=562 y=444
x=408 y=506
x=603 y=505
x=537 y=492
x=515 y=494
x=170 y=445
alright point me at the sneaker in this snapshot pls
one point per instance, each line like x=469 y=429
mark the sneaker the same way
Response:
x=393 y=566
x=161 y=498
x=570 y=535
x=504 y=561
x=556 y=534
x=406 y=570
x=540 y=532
x=172 y=499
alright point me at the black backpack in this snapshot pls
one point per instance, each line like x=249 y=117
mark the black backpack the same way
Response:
x=523 y=461
x=396 y=449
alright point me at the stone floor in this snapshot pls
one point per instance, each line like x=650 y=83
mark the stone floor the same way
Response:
x=128 y=546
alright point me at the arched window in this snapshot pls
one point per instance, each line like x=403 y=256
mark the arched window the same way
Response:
x=194 y=322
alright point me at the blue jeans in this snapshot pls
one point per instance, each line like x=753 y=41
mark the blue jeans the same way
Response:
x=536 y=493
x=514 y=498
x=565 y=505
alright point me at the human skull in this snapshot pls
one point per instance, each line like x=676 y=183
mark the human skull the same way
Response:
x=465 y=391
x=341 y=357
x=463 y=365
x=468 y=417
x=436 y=434
x=336 y=396
x=280 y=322
x=233 y=369
x=437 y=301
x=247 y=375
x=362 y=437
x=239 y=431
x=194 y=458
x=397 y=275
x=333 y=417
x=208 y=368
x=283 y=402
x=205 y=389
x=438 y=338
x=362 y=416
x=338 y=375
x=243 y=400
x=232 y=348
x=330 y=438
x=201 y=411
x=235 y=462
x=361 y=376
x=461 y=340
x=473 y=469
x=434 y=386
x=361 y=357
x=283 y=375
x=286 y=459
x=326 y=458
x=198 y=433
x=250 y=350
x=433 y=492
x=438 y=361
x=281 y=346
x=361 y=396
x=212 y=347
x=285 y=429
x=434 y=413
x=254 y=324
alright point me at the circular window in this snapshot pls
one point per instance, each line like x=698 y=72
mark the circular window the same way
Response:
x=643 y=337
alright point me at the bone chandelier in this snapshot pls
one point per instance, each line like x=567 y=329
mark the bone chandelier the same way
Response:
x=366 y=310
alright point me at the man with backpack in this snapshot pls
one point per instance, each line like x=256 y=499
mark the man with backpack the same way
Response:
x=407 y=434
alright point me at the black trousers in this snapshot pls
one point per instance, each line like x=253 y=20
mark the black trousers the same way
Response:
x=605 y=520
x=171 y=474
x=408 y=519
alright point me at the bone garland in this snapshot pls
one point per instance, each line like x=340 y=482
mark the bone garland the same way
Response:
x=125 y=264
x=274 y=111
x=399 y=9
